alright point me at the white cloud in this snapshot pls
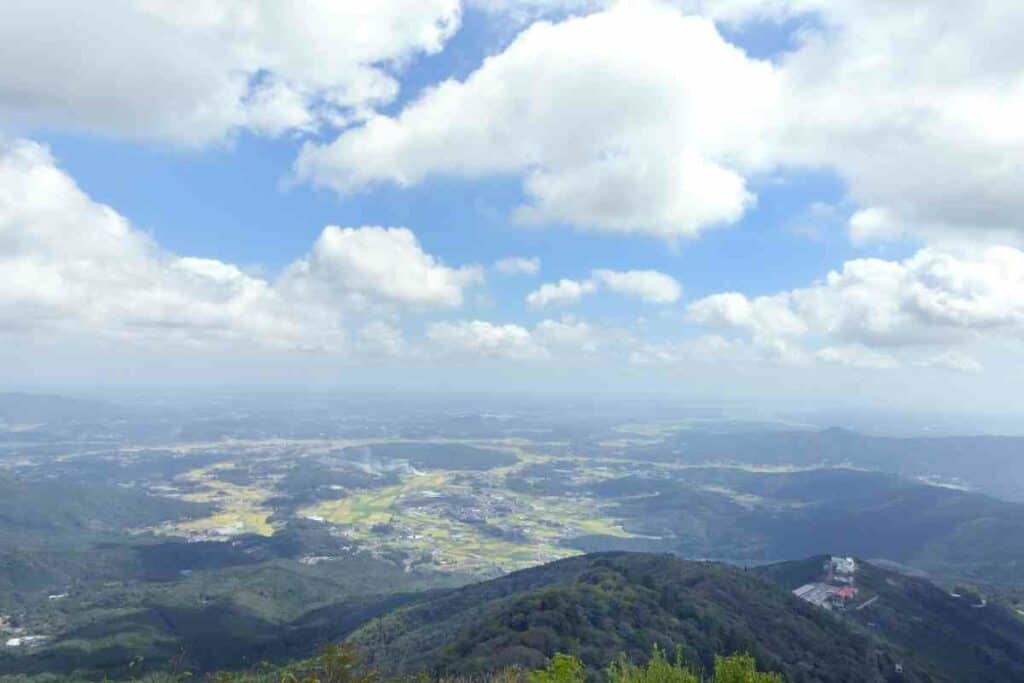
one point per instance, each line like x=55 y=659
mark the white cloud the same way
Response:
x=633 y=120
x=380 y=338
x=766 y=317
x=481 y=338
x=567 y=334
x=518 y=265
x=562 y=292
x=647 y=285
x=73 y=266
x=873 y=225
x=915 y=104
x=549 y=339
x=934 y=299
x=195 y=72
x=638 y=119
x=373 y=264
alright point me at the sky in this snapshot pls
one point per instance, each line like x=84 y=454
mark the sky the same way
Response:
x=791 y=199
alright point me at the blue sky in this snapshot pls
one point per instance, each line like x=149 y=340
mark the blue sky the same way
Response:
x=802 y=156
x=233 y=201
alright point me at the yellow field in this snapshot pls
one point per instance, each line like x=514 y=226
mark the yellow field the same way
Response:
x=375 y=507
x=466 y=547
x=421 y=531
x=240 y=511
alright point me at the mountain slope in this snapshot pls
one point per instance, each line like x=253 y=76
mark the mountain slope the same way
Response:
x=34 y=507
x=598 y=606
x=975 y=642
x=769 y=516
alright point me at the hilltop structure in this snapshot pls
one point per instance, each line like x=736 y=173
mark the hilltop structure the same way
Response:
x=837 y=586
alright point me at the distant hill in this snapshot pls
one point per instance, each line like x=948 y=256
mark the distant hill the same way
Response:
x=52 y=533
x=39 y=506
x=990 y=464
x=597 y=606
x=743 y=515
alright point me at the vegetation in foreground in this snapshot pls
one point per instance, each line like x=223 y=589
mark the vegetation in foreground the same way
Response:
x=342 y=664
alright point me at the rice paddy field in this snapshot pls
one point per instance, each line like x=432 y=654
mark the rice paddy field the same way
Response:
x=470 y=518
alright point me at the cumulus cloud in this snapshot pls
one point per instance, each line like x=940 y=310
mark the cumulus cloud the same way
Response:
x=766 y=317
x=76 y=266
x=632 y=118
x=567 y=334
x=518 y=265
x=562 y=292
x=548 y=339
x=195 y=72
x=915 y=104
x=935 y=298
x=481 y=338
x=636 y=119
x=381 y=338
x=649 y=286
x=372 y=264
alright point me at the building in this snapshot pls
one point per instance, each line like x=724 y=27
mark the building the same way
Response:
x=844 y=594
x=840 y=569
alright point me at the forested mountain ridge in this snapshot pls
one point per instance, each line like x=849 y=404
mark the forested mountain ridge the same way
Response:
x=603 y=607
x=962 y=634
x=598 y=606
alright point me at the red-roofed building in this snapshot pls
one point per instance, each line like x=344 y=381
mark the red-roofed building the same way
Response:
x=846 y=593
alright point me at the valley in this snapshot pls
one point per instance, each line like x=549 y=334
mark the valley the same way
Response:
x=262 y=534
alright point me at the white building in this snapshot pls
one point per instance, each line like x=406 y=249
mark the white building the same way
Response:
x=842 y=565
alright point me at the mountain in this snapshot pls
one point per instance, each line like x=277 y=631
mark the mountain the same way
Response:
x=595 y=607
x=64 y=508
x=962 y=634
x=741 y=515
x=598 y=606
x=986 y=463
x=54 y=533
x=224 y=618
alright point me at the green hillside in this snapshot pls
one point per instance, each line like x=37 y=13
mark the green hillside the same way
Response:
x=757 y=516
x=53 y=534
x=598 y=606
x=957 y=634
x=28 y=507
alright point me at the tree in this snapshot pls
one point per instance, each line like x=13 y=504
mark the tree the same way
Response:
x=741 y=669
x=561 y=669
x=658 y=670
